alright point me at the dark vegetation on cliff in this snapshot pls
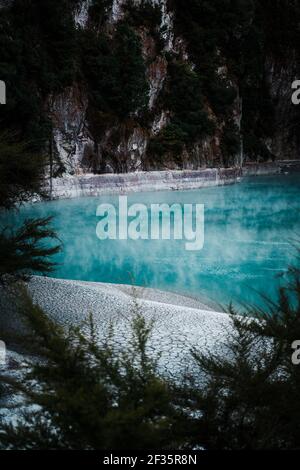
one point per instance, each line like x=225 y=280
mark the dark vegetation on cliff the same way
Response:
x=183 y=97
x=216 y=92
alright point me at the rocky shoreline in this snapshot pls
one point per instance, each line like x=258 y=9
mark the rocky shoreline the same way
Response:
x=271 y=168
x=96 y=185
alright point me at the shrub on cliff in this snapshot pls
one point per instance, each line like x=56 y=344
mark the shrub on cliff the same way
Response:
x=146 y=14
x=115 y=71
x=170 y=141
x=99 y=11
x=230 y=143
x=189 y=120
x=184 y=98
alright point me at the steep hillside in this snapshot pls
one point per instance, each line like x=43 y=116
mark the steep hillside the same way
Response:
x=128 y=85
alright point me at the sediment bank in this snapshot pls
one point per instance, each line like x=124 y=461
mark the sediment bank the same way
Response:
x=180 y=323
x=97 y=185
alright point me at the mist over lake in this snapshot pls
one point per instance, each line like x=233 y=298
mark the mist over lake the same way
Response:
x=249 y=228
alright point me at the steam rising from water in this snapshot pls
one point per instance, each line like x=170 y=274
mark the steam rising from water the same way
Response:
x=248 y=229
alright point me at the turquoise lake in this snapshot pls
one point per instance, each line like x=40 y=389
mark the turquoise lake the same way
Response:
x=248 y=230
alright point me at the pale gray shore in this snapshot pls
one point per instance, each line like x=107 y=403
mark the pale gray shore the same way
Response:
x=97 y=185
x=180 y=323
x=171 y=180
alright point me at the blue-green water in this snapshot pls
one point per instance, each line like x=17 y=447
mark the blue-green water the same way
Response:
x=248 y=227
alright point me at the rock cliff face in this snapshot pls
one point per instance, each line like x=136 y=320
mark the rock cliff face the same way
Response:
x=209 y=89
x=286 y=140
x=122 y=145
